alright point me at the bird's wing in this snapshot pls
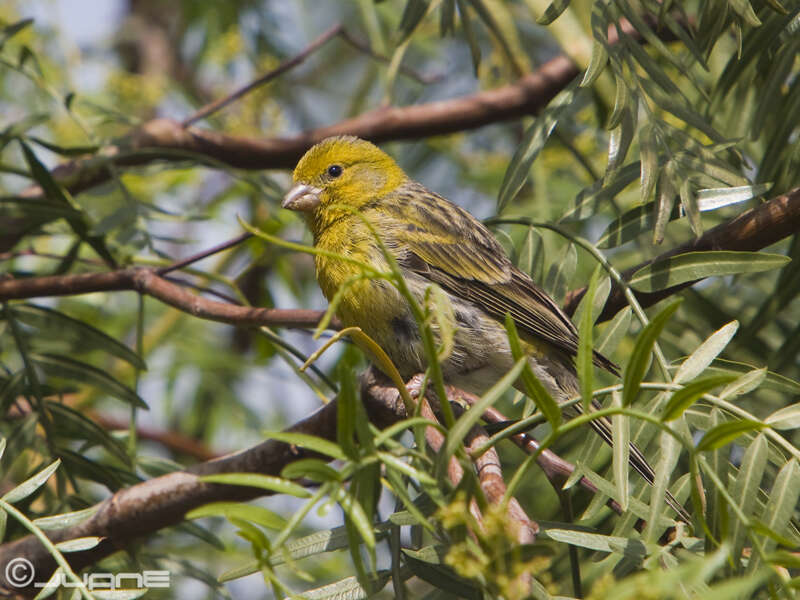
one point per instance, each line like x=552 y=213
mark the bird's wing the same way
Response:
x=445 y=244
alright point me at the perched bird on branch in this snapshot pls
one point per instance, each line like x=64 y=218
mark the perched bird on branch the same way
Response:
x=353 y=193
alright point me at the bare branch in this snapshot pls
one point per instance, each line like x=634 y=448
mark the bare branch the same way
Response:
x=168 y=140
x=146 y=281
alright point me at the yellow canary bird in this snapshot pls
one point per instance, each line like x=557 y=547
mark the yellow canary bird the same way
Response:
x=344 y=181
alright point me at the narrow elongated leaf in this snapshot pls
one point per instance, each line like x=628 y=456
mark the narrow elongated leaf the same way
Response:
x=692 y=266
x=469 y=33
x=412 y=15
x=621 y=435
x=596 y=541
x=614 y=332
x=349 y=588
x=55 y=192
x=73 y=424
x=532 y=142
x=30 y=485
x=78 y=334
x=631 y=224
x=239 y=510
x=312 y=468
x=596 y=64
x=75 y=370
x=310 y=442
x=534 y=388
x=79 y=544
x=637 y=366
x=561 y=273
x=583 y=361
x=65 y=520
x=705 y=353
x=9 y=31
x=438 y=575
x=785 y=418
x=772 y=381
x=723 y=434
x=257 y=480
x=553 y=11
x=392 y=461
x=780 y=507
x=714 y=198
x=744 y=384
x=746 y=486
x=458 y=432
x=357 y=515
x=688 y=395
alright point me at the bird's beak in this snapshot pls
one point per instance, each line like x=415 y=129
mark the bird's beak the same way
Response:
x=302 y=198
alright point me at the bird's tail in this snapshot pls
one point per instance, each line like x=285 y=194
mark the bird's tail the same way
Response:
x=567 y=381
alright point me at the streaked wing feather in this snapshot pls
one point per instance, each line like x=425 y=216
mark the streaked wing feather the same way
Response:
x=451 y=248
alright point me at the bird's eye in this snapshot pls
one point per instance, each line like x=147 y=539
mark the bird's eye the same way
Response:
x=334 y=170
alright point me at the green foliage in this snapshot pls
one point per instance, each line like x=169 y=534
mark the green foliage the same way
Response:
x=684 y=116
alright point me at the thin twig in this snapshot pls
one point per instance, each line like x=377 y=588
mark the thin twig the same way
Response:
x=216 y=105
x=204 y=254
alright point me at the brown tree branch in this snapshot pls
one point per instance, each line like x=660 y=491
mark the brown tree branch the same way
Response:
x=146 y=281
x=168 y=140
x=752 y=230
x=152 y=505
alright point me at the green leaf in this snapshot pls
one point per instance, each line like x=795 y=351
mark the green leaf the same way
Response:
x=350 y=588
x=614 y=332
x=561 y=273
x=553 y=11
x=772 y=381
x=786 y=418
x=75 y=370
x=631 y=224
x=456 y=435
x=746 y=487
x=705 y=353
x=744 y=384
x=79 y=335
x=79 y=544
x=597 y=542
x=73 y=424
x=313 y=468
x=583 y=361
x=9 y=31
x=533 y=387
x=648 y=153
x=780 y=507
x=413 y=13
x=596 y=64
x=358 y=517
x=393 y=462
x=688 y=395
x=239 y=510
x=532 y=142
x=55 y=192
x=427 y=565
x=692 y=266
x=620 y=436
x=469 y=33
x=714 y=198
x=723 y=434
x=309 y=442
x=257 y=480
x=30 y=485
x=637 y=366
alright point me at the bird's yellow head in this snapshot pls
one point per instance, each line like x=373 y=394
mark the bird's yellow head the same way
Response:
x=338 y=176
